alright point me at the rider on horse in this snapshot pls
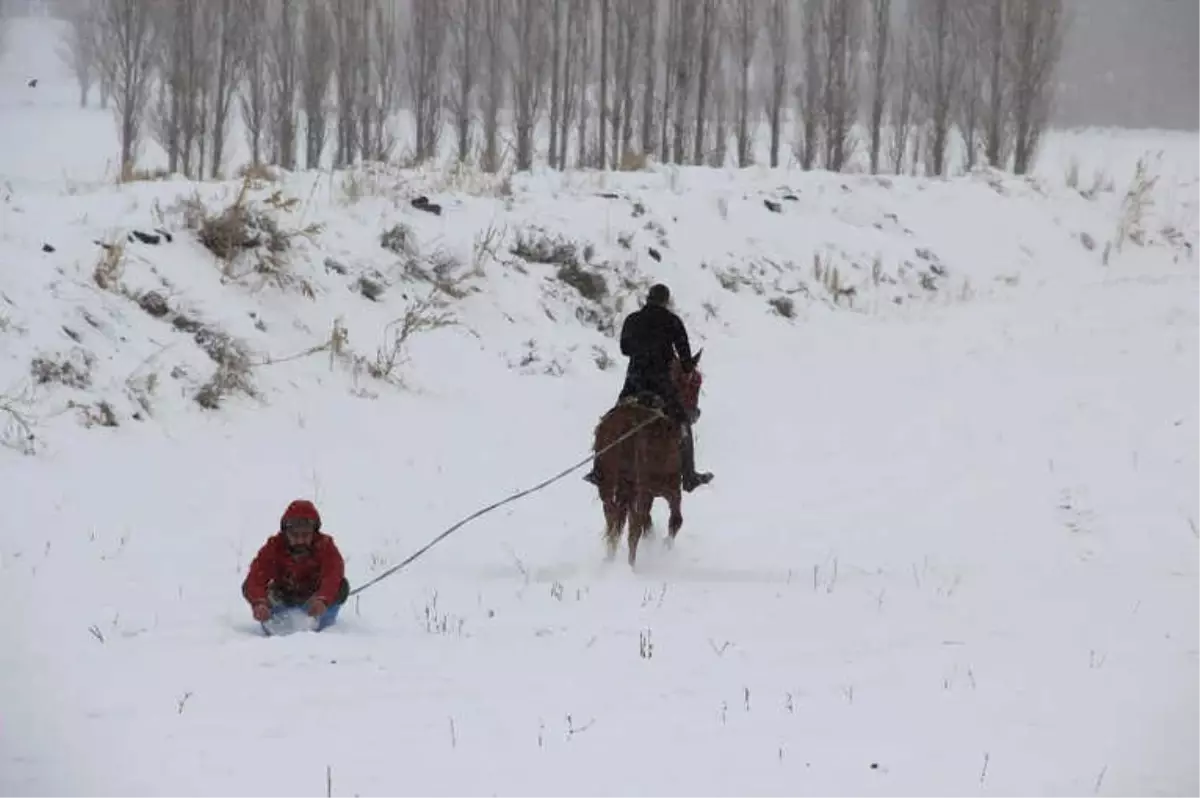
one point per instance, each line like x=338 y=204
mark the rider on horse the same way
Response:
x=651 y=338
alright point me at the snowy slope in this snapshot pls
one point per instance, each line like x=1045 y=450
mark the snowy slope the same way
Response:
x=951 y=546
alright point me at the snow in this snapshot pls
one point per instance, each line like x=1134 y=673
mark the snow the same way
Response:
x=951 y=545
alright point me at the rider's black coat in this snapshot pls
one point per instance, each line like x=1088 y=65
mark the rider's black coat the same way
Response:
x=651 y=338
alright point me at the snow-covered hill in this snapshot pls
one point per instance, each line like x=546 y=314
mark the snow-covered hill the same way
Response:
x=129 y=299
x=951 y=545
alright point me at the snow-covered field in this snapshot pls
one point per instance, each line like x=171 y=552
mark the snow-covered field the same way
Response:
x=951 y=547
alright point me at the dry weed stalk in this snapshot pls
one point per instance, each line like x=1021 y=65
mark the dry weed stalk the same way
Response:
x=1138 y=199
x=109 y=266
x=422 y=315
x=18 y=432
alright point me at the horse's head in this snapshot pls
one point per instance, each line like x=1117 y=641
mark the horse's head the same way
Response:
x=688 y=381
x=679 y=368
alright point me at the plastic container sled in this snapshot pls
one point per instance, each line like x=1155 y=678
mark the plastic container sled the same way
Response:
x=286 y=620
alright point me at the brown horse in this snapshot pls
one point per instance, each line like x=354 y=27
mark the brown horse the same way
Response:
x=643 y=465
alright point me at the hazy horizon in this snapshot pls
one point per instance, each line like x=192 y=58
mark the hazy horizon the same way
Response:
x=1131 y=63
x=1125 y=63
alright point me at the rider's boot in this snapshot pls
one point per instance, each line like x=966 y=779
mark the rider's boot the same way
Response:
x=691 y=480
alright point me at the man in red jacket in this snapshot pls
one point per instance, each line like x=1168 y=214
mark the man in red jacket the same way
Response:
x=298 y=567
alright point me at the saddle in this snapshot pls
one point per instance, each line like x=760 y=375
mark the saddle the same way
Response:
x=646 y=399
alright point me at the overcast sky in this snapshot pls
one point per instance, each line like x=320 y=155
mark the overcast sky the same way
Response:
x=1131 y=63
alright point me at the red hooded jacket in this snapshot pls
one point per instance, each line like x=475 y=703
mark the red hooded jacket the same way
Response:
x=317 y=574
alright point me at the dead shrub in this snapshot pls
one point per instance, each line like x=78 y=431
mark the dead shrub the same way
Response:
x=536 y=246
x=399 y=239
x=142 y=389
x=784 y=306
x=130 y=173
x=484 y=248
x=110 y=265
x=244 y=228
x=17 y=432
x=371 y=287
x=448 y=272
x=154 y=303
x=73 y=370
x=422 y=315
x=100 y=414
x=233 y=367
x=258 y=172
x=602 y=358
x=1139 y=198
x=633 y=161
x=589 y=284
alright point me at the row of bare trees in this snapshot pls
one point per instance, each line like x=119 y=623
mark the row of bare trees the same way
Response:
x=591 y=83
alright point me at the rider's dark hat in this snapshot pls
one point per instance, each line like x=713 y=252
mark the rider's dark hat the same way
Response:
x=659 y=295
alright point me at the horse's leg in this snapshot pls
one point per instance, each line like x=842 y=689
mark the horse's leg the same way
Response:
x=674 y=500
x=638 y=522
x=612 y=528
x=648 y=529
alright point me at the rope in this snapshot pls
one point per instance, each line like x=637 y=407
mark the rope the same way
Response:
x=656 y=415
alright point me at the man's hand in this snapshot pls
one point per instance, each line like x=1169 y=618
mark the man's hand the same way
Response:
x=262 y=611
x=316 y=607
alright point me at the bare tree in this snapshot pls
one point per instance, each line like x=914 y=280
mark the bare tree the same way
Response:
x=573 y=64
x=649 y=13
x=493 y=97
x=351 y=47
x=724 y=79
x=779 y=39
x=283 y=66
x=203 y=85
x=253 y=86
x=809 y=90
x=881 y=37
x=427 y=35
x=605 y=5
x=995 y=123
x=379 y=77
x=530 y=62
x=939 y=72
x=126 y=59
x=1038 y=29
x=169 y=40
x=320 y=59
x=670 y=77
x=903 y=99
x=78 y=48
x=557 y=52
x=627 y=42
x=686 y=29
x=843 y=42
x=707 y=32
x=464 y=69
x=586 y=43
x=185 y=37
x=199 y=49
x=745 y=41
x=970 y=104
